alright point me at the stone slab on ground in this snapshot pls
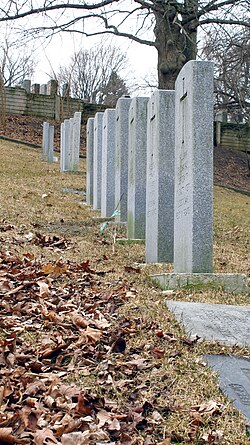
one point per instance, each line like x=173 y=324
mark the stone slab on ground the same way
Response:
x=228 y=282
x=222 y=323
x=130 y=241
x=234 y=379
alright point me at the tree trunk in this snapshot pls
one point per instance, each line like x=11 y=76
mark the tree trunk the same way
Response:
x=175 y=42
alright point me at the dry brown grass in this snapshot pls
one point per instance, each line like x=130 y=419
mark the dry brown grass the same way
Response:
x=32 y=199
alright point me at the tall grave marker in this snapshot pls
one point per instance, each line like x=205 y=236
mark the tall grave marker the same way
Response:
x=121 y=157
x=193 y=251
x=108 y=164
x=89 y=160
x=137 y=163
x=76 y=140
x=193 y=218
x=97 y=161
x=160 y=177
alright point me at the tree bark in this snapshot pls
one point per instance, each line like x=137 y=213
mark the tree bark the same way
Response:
x=175 y=42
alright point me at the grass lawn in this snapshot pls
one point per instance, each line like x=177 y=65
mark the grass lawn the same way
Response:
x=77 y=311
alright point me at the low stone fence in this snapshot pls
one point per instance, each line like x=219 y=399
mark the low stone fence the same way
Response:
x=19 y=100
x=233 y=136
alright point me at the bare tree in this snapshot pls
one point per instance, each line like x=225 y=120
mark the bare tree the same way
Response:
x=168 y=25
x=90 y=71
x=15 y=63
x=231 y=55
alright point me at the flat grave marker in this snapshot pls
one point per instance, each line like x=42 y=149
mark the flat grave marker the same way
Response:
x=233 y=378
x=222 y=323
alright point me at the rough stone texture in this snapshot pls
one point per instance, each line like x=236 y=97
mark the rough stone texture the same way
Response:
x=97 y=161
x=232 y=283
x=234 y=379
x=62 y=147
x=51 y=144
x=89 y=160
x=214 y=322
x=121 y=157
x=193 y=243
x=45 y=141
x=71 y=133
x=76 y=141
x=108 y=164
x=160 y=178
x=137 y=166
x=67 y=147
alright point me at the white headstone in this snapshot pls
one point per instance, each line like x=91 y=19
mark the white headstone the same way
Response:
x=45 y=141
x=193 y=242
x=70 y=146
x=62 y=148
x=66 y=141
x=43 y=89
x=89 y=160
x=160 y=177
x=121 y=157
x=97 y=161
x=108 y=164
x=137 y=166
x=51 y=144
x=76 y=141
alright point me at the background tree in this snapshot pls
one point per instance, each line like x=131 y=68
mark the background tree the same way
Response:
x=93 y=74
x=168 y=25
x=230 y=52
x=15 y=63
x=115 y=88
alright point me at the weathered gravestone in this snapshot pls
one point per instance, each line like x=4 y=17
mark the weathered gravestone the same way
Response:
x=193 y=225
x=65 y=147
x=76 y=141
x=234 y=379
x=137 y=163
x=97 y=161
x=62 y=147
x=51 y=144
x=193 y=204
x=45 y=141
x=214 y=322
x=89 y=160
x=160 y=177
x=108 y=164
x=71 y=135
x=121 y=157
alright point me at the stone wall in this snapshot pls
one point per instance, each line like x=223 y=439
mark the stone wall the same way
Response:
x=17 y=100
x=232 y=135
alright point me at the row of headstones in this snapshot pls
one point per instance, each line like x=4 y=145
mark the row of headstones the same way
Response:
x=149 y=162
x=69 y=143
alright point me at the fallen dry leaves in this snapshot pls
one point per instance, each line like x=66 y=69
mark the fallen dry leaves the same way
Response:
x=64 y=361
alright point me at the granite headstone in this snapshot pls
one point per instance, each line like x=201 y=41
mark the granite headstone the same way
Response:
x=160 y=177
x=193 y=221
x=137 y=166
x=121 y=157
x=97 y=161
x=89 y=160
x=108 y=164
